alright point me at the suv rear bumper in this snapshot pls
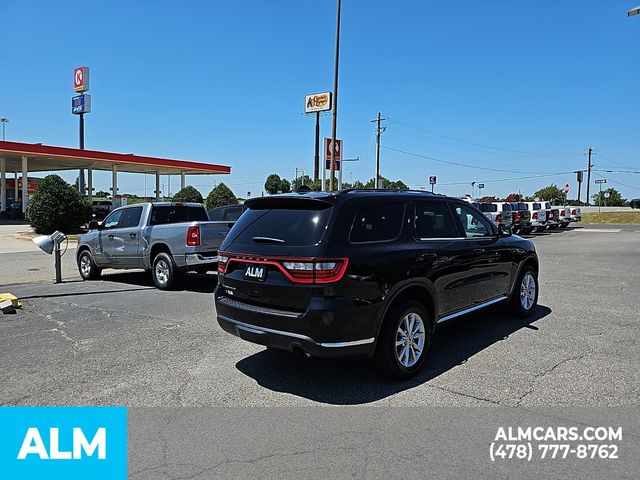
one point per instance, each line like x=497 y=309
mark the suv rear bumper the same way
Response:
x=294 y=342
x=198 y=259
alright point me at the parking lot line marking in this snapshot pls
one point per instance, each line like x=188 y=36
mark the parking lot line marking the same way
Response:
x=598 y=230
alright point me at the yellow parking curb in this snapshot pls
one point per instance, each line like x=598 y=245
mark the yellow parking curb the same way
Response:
x=12 y=298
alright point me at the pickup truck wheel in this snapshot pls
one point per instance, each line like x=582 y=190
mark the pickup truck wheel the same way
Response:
x=87 y=267
x=524 y=298
x=164 y=271
x=404 y=340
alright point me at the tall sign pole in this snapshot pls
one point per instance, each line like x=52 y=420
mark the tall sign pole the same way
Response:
x=335 y=101
x=379 y=130
x=81 y=104
x=317 y=103
x=588 y=176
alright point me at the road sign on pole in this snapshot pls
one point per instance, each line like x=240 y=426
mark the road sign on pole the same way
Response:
x=327 y=149
x=432 y=181
x=566 y=188
x=81 y=79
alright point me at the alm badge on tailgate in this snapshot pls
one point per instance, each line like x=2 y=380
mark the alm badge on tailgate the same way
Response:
x=256 y=272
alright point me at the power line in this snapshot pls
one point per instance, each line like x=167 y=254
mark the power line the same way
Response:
x=449 y=162
x=506 y=150
x=509 y=179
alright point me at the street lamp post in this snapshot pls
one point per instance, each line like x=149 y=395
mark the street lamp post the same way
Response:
x=4 y=121
x=334 y=117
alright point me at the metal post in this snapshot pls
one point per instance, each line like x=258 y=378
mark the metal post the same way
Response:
x=182 y=180
x=316 y=156
x=4 y=121
x=340 y=177
x=157 y=191
x=588 y=177
x=57 y=256
x=25 y=185
x=324 y=175
x=335 y=100
x=3 y=184
x=579 y=188
x=600 y=197
x=90 y=183
x=15 y=186
x=114 y=185
x=377 y=180
x=81 y=172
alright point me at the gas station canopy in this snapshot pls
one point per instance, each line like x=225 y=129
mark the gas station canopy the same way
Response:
x=44 y=158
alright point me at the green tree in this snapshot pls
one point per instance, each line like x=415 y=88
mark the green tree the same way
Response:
x=615 y=198
x=188 y=194
x=57 y=205
x=273 y=183
x=386 y=183
x=102 y=194
x=301 y=180
x=513 y=197
x=219 y=197
x=285 y=185
x=550 y=193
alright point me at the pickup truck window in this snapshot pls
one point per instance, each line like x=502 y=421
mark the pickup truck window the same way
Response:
x=176 y=214
x=377 y=223
x=433 y=220
x=488 y=207
x=231 y=214
x=537 y=206
x=130 y=217
x=112 y=220
x=506 y=207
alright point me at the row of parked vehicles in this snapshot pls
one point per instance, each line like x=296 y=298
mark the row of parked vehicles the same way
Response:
x=526 y=217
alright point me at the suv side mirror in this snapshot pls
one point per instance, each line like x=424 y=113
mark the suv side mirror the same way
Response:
x=504 y=230
x=94 y=225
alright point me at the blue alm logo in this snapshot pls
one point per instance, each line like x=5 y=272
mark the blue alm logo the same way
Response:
x=63 y=442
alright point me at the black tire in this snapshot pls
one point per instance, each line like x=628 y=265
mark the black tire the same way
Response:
x=87 y=267
x=541 y=229
x=388 y=355
x=517 y=304
x=164 y=272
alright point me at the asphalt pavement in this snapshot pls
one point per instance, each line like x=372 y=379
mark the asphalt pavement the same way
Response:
x=119 y=341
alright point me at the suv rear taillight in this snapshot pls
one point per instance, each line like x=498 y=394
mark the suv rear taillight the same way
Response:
x=517 y=217
x=498 y=219
x=298 y=270
x=573 y=212
x=222 y=263
x=193 y=236
x=562 y=213
x=535 y=216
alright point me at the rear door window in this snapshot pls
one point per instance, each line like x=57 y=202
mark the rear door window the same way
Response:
x=231 y=214
x=130 y=217
x=537 y=206
x=377 y=223
x=433 y=220
x=216 y=214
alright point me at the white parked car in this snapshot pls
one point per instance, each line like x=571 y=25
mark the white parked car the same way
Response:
x=538 y=215
x=576 y=214
x=565 y=216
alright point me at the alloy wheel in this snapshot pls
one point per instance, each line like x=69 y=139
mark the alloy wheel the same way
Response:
x=527 y=291
x=410 y=340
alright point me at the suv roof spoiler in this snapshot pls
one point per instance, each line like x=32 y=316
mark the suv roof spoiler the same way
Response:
x=293 y=202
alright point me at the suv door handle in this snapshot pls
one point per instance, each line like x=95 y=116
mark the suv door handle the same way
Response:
x=478 y=250
x=132 y=235
x=423 y=257
x=110 y=236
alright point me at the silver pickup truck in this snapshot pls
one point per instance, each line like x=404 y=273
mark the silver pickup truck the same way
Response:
x=163 y=238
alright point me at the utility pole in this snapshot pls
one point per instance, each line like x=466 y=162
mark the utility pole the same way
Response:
x=334 y=118
x=379 y=130
x=589 y=176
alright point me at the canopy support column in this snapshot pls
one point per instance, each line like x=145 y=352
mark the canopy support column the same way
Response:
x=114 y=184
x=182 y=180
x=157 y=186
x=90 y=183
x=25 y=184
x=3 y=185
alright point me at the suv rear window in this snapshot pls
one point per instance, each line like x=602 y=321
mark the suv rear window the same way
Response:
x=488 y=207
x=177 y=213
x=299 y=227
x=537 y=206
x=377 y=223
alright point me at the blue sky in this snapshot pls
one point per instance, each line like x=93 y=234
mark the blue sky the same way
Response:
x=501 y=87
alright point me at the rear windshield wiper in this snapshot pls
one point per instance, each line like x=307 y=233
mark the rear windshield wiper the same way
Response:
x=267 y=240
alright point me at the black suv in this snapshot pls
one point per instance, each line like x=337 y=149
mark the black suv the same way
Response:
x=366 y=272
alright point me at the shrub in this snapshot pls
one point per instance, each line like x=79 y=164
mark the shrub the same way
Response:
x=56 y=205
x=219 y=197
x=188 y=194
